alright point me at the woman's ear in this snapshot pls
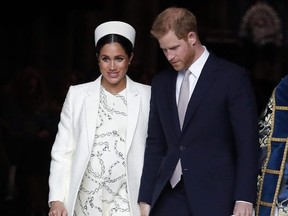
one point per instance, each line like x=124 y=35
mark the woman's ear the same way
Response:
x=131 y=57
x=97 y=58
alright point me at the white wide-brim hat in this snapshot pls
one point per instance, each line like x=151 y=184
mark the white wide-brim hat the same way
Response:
x=115 y=27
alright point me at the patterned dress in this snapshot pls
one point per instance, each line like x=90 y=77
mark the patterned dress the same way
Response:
x=103 y=190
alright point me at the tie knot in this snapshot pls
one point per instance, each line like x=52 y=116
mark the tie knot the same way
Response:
x=187 y=74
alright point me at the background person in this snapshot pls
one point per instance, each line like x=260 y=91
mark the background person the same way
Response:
x=273 y=177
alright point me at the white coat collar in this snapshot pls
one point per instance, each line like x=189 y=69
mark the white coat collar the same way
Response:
x=133 y=109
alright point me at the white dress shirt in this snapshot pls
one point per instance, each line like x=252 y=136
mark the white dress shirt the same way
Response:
x=195 y=69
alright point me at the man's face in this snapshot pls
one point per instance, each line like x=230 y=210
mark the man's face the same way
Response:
x=179 y=52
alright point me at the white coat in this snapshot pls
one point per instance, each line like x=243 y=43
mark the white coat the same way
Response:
x=74 y=140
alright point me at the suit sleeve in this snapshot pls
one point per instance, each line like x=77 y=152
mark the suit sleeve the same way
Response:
x=155 y=149
x=244 y=119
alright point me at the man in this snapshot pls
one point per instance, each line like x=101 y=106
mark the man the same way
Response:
x=216 y=149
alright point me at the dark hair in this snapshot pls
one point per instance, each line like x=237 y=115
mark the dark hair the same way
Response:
x=124 y=42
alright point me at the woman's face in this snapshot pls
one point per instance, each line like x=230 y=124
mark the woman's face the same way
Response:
x=113 y=64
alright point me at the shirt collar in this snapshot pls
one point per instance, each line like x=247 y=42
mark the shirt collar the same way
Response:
x=198 y=65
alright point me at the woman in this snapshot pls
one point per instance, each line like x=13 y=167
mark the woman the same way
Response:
x=98 y=153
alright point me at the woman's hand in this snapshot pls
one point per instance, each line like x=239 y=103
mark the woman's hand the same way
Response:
x=57 y=209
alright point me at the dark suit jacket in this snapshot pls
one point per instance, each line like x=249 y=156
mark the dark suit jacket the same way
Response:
x=218 y=145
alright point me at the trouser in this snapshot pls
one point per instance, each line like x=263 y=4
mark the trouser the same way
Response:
x=172 y=202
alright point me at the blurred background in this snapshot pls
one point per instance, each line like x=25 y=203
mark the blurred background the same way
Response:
x=48 y=46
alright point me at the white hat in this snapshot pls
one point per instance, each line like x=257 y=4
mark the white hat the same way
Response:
x=115 y=27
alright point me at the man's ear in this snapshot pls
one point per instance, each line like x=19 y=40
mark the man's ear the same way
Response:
x=192 y=37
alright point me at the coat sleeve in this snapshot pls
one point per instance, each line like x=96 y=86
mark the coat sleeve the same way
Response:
x=61 y=153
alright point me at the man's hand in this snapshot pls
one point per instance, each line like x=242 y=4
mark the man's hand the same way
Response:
x=144 y=209
x=243 y=209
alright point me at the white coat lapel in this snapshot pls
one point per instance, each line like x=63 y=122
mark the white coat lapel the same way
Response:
x=92 y=106
x=133 y=107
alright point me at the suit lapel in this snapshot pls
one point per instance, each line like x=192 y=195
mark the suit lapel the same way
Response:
x=92 y=106
x=133 y=106
x=174 y=108
x=205 y=80
x=169 y=109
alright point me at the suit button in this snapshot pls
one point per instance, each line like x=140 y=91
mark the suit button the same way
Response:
x=182 y=148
